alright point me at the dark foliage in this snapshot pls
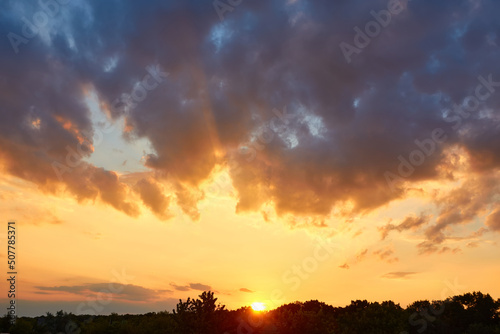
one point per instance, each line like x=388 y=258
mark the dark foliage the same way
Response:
x=471 y=313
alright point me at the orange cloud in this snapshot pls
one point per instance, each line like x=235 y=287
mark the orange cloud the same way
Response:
x=493 y=220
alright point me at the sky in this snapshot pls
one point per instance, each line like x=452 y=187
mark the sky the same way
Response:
x=271 y=151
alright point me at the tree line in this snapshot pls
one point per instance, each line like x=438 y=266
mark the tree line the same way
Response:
x=470 y=313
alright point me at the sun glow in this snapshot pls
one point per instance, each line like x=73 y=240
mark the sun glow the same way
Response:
x=258 y=307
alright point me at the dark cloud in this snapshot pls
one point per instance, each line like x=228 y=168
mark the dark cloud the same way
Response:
x=266 y=92
x=199 y=286
x=44 y=122
x=246 y=290
x=123 y=292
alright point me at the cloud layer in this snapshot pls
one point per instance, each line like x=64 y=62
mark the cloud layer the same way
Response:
x=267 y=93
x=109 y=291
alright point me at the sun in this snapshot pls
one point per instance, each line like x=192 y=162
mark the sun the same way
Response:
x=258 y=307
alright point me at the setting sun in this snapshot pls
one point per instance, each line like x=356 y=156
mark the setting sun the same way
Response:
x=258 y=307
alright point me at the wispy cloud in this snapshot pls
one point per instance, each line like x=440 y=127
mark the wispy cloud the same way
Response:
x=191 y=286
x=344 y=266
x=399 y=275
x=386 y=254
x=199 y=286
x=411 y=222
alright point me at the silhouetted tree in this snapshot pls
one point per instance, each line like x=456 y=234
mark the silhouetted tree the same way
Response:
x=199 y=316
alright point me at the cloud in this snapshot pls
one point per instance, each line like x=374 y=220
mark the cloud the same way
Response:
x=344 y=266
x=36 y=215
x=153 y=197
x=460 y=206
x=187 y=198
x=305 y=132
x=399 y=275
x=45 y=126
x=479 y=233
x=199 y=286
x=450 y=250
x=311 y=222
x=124 y=292
x=360 y=256
x=411 y=222
x=191 y=286
x=357 y=233
x=246 y=290
x=180 y=287
x=473 y=244
x=493 y=220
x=427 y=247
x=386 y=254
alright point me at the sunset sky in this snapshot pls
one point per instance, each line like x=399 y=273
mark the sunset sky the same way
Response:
x=267 y=150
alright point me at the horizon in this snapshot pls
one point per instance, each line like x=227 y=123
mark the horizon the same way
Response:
x=262 y=308
x=269 y=151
